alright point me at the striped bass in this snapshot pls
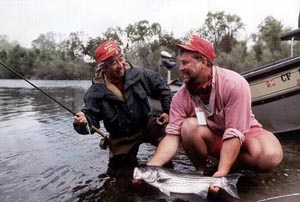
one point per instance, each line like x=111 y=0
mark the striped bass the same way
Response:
x=168 y=181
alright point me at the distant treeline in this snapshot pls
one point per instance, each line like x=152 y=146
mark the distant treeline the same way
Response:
x=73 y=57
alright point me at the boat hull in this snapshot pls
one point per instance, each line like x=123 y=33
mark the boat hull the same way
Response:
x=281 y=115
x=275 y=90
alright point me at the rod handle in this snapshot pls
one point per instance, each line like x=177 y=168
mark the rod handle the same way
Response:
x=100 y=133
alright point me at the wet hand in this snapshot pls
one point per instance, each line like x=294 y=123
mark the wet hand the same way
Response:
x=162 y=119
x=215 y=189
x=80 y=119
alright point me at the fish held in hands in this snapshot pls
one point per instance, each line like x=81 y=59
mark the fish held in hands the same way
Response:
x=170 y=181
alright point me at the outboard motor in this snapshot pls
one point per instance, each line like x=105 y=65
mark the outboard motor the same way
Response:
x=165 y=54
x=166 y=61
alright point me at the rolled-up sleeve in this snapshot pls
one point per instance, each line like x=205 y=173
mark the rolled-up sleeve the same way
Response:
x=237 y=109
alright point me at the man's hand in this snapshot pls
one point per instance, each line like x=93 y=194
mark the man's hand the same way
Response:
x=162 y=119
x=229 y=152
x=80 y=119
x=214 y=189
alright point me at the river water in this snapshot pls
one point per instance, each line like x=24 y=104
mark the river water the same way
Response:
x=43 y=159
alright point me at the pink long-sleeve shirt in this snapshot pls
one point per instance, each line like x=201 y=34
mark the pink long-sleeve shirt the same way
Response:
x=230 y=113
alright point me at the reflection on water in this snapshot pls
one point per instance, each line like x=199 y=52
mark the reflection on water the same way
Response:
x=43 y=159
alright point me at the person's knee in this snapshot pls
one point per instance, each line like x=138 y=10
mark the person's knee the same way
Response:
x=262 y=159
x=268 y=160
x=262 y=153
x=189 y=127
x=274 y=158
x=191 y=131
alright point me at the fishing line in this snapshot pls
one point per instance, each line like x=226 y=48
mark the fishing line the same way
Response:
x=19 y=75
x=278 y=197
x=57 y=102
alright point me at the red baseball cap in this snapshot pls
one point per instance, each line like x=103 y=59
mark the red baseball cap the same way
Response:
x=200 y=45
x=106 y=50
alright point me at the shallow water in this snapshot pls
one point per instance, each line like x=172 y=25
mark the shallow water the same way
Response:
x=43 y=159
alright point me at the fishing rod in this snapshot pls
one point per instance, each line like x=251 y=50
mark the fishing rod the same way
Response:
x=66 y=108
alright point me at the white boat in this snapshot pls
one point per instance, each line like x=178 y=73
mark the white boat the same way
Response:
x=275 y=92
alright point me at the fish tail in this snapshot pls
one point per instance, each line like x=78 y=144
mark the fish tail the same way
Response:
x=229 y=184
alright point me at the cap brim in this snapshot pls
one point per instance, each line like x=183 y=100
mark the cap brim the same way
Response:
x=186 y=47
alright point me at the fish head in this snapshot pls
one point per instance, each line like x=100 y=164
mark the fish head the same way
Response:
x=147 y=174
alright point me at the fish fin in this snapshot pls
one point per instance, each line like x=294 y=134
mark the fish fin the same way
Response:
x=203 y=193
x=162 y=180
x=165 y=192
x=229 y=184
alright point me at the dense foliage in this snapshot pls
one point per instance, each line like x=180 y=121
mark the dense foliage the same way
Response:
x=73 y=57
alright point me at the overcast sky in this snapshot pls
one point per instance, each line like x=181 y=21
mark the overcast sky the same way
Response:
x=25 y=20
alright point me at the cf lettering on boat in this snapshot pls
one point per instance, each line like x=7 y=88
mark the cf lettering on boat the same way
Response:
x=286 y=76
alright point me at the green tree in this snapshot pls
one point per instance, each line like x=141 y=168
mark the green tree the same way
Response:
x=235 y=60
x=45 y=42
x=115 y=34
x=267 y=45
x=258 y=46
x=222 y=30
x=3 y=59
x=4 y=43
x=143 y=41
x=20 y=59
x=91 y=46
x=73 y=46
x=4 y=47
x=269 y=31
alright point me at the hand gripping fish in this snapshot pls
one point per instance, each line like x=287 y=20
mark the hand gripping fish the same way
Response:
x=170 y=181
